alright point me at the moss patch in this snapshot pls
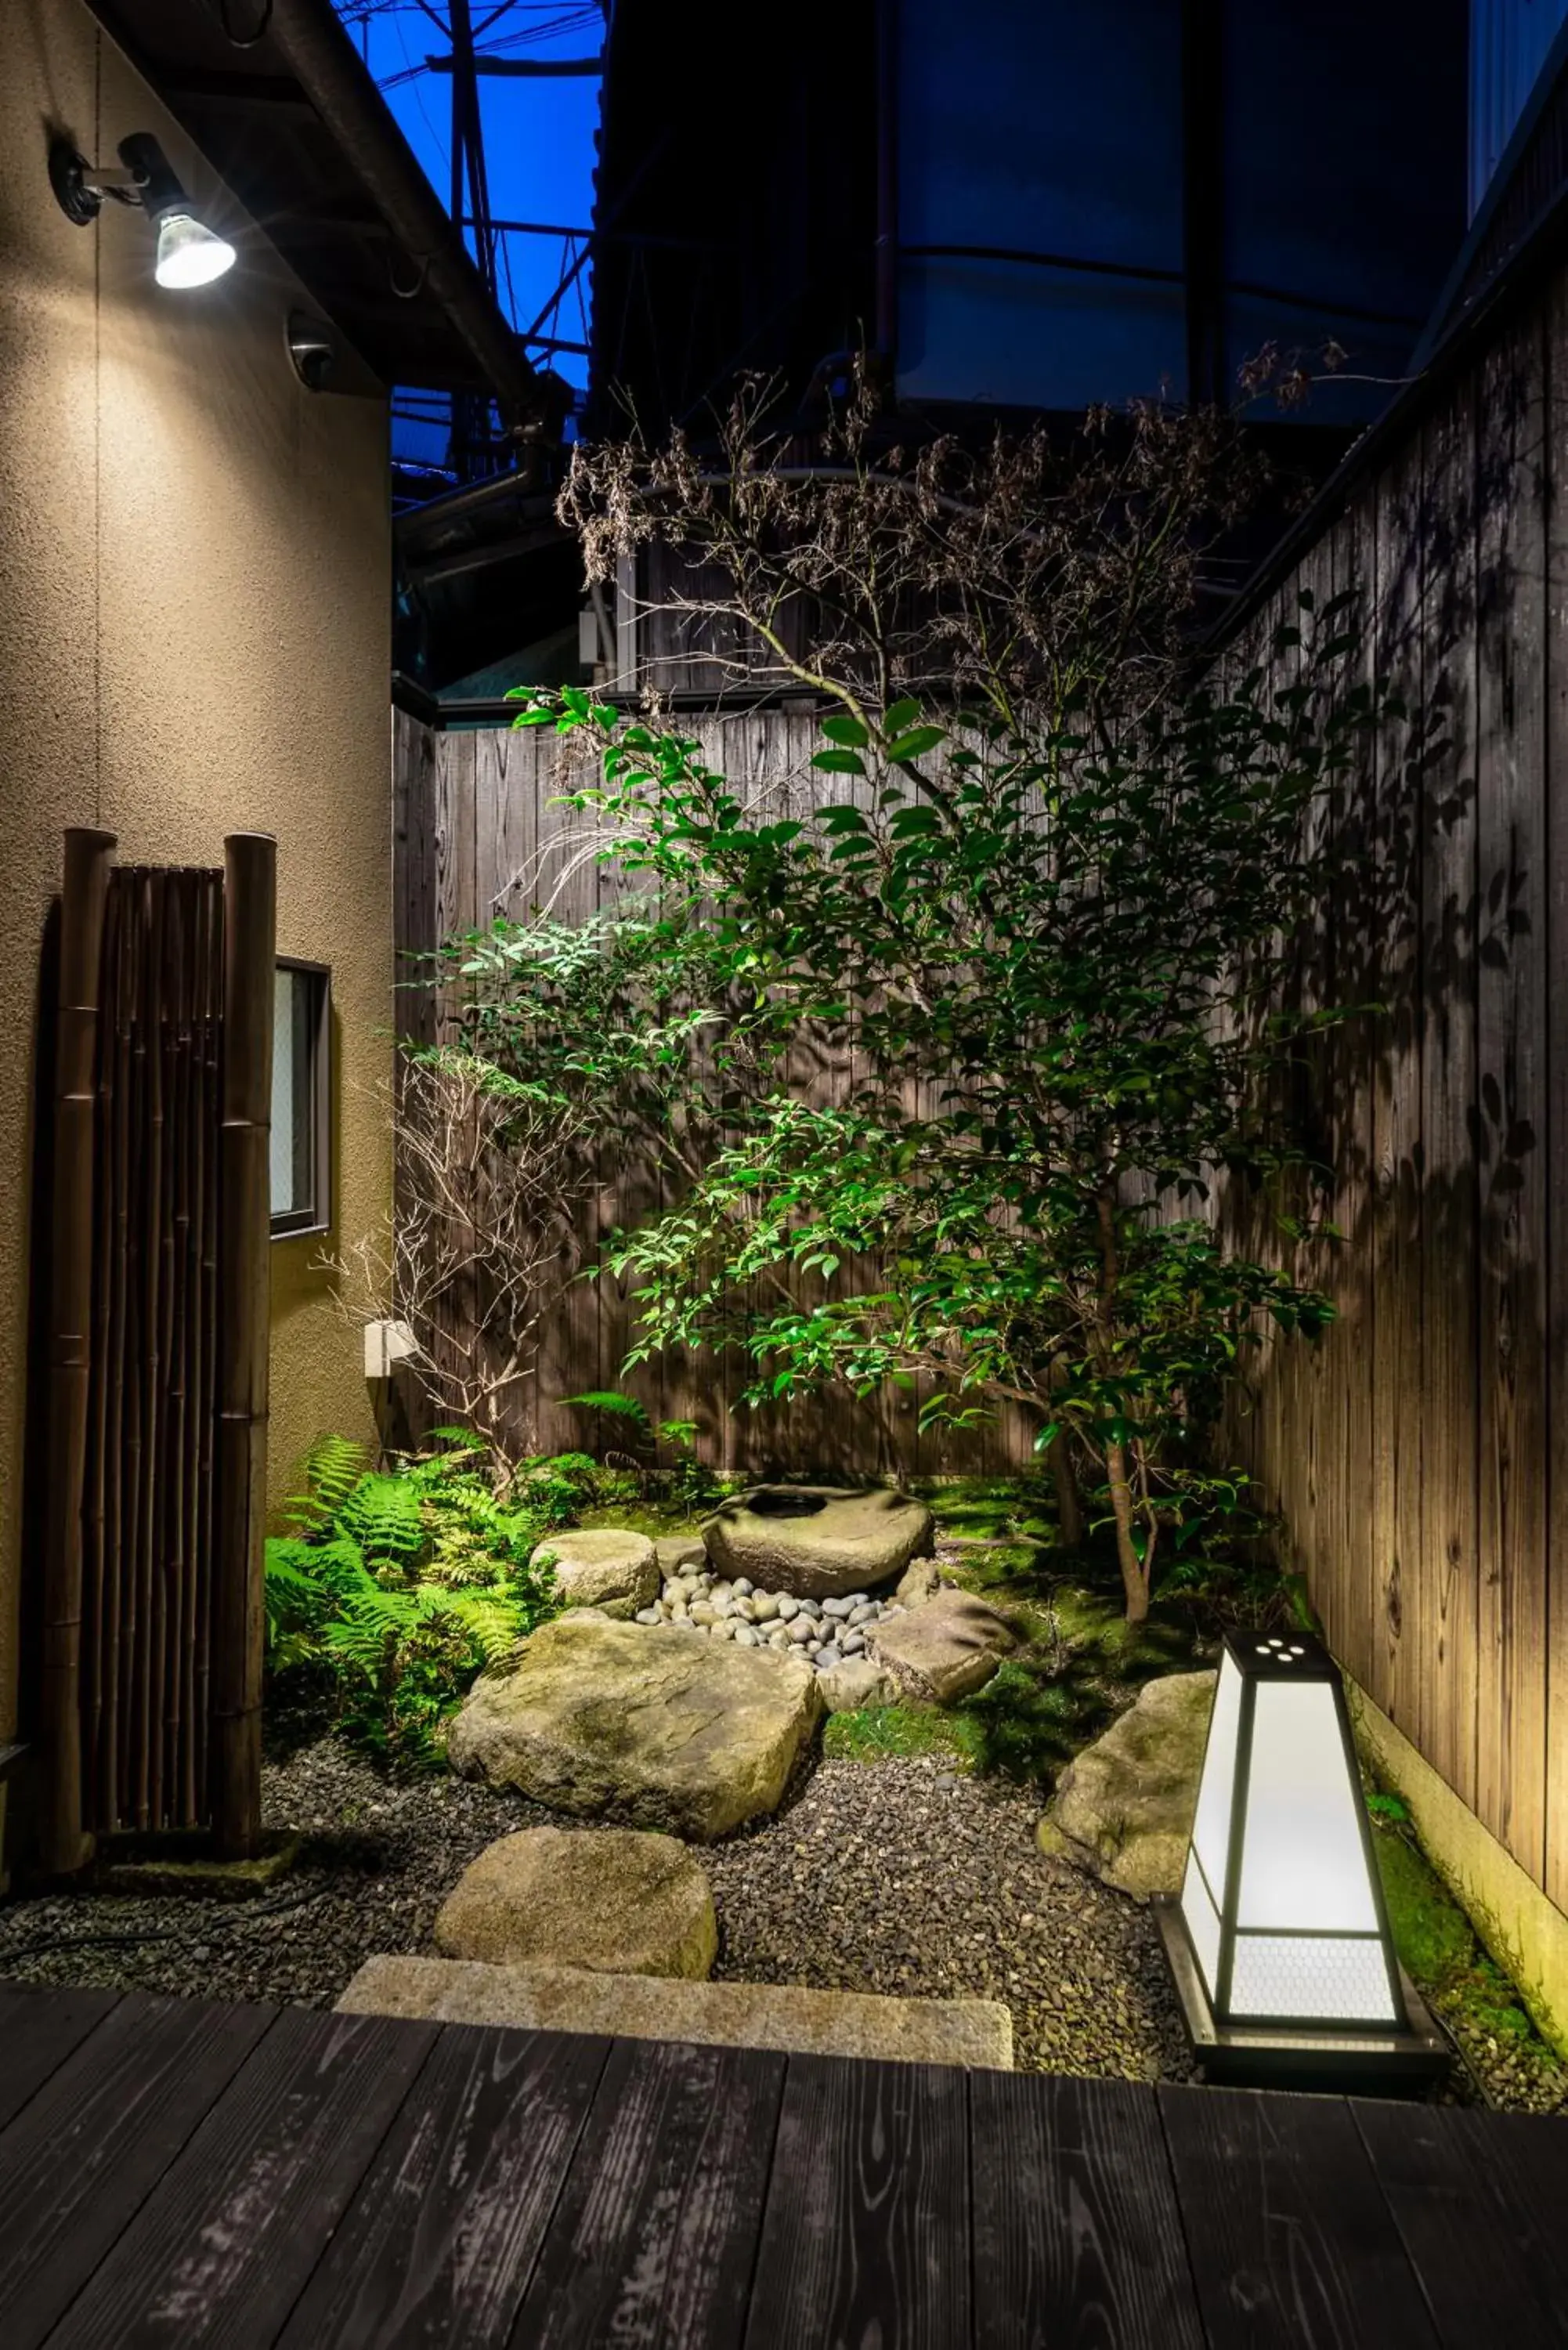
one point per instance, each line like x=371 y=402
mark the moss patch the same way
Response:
x=878 y=1733
x=654 y=1518
x=1438 y=1948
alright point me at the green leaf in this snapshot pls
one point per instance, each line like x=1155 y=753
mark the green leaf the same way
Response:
x=838 y=763
x=917 y=743
x=846 y=730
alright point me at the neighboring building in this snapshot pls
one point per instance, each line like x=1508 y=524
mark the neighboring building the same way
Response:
x=195 y=552
x=1025 y=207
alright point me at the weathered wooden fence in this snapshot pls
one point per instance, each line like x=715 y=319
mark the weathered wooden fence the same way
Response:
x=1420 y=1456
x=475 y=837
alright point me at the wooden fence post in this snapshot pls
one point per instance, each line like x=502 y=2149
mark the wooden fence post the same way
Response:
x=83 y=894
x=250 y=902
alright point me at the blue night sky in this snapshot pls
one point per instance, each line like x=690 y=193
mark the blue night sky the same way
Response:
x=538 y=143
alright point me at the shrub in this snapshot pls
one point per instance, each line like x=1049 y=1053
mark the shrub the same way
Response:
x=407 y=1584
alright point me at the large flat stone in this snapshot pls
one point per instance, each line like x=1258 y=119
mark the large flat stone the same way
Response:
x=648 y=1725
x=622 y=1900
x=817 y=1540
x=945 y=1648
x=975 y=2033
x=1124 y=1806
x=609 y=1568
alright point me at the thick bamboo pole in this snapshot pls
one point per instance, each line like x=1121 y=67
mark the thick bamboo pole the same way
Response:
x=82 y=896
x=250 y=894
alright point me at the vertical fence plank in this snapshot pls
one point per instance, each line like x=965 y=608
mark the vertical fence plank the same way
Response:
x=1400 y=1601
x=1511 y=734
x=1447 y=1700
x=1554 y=950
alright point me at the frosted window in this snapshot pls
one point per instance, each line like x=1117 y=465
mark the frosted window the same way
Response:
x=1211 y=1826
x=297 y=1156
x=1304 y=1862
x=1203 y=1922
x=282 y=1095
x=1306 y=1978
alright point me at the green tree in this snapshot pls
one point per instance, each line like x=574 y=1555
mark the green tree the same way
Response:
x=938 y=1072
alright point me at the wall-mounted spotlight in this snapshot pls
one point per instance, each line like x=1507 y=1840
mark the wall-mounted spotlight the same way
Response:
x=189 y=253
x=312 y=351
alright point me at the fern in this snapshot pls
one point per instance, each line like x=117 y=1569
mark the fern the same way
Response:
x=624 y=1407
x=333 y=1467
x=411 y=1583
x=383 y=1515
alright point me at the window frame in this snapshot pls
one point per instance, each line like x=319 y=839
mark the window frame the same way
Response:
x=297 y=1223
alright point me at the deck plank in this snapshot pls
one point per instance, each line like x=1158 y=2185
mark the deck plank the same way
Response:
x=1289 y=2234
x=442 y=2236
x=1491 y=2272
x=866 y=2233
x=38 y=2030
x=222 y=2247
x=1077 y=2233
x=653 y=2240
x=81 y=2159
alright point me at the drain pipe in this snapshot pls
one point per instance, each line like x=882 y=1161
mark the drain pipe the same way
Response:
x=319 y=53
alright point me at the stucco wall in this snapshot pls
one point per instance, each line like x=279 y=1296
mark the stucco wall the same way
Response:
x=193 y=615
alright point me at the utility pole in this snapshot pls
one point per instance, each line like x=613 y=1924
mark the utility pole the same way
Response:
x=471 y=440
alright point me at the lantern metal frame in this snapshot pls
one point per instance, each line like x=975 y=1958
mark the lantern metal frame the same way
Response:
x=1327 y=2051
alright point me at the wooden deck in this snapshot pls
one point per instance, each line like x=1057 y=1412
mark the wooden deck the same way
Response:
x=172 y=2172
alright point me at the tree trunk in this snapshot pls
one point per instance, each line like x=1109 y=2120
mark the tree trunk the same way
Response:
x=1069 y=1508
x=1134 y=1572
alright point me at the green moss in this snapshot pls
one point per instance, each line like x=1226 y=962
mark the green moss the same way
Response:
x=991 y=1509
x=1439 y=1949
x=881 y=1732
x=654 y=1518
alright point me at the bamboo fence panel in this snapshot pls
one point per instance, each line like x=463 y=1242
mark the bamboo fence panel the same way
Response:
x=140 y=1146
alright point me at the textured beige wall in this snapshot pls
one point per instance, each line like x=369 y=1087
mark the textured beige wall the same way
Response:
x=194 y=611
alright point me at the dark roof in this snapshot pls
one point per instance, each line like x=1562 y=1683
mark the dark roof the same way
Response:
x=263 y=136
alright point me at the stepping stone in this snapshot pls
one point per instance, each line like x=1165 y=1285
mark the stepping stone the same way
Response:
x=1124 y=1806
x=973 y=2033
x=817 y=1541
x=944 y=1649
x=620 y=1900
x=609 y=1568
x=854 y=1682
x=646 y=1725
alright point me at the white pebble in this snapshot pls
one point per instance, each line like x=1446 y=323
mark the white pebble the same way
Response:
x=789 y=1606
x=741 y=1588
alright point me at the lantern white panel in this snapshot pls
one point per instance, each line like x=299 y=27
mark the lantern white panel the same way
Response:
x=1202 y=1921
x=1211 y=1823
x=1311 y=1977
x=1303 y=1860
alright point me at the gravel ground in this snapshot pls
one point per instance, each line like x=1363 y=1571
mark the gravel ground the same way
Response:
x=897 y=1876
x=900 y=1877
x=894 y=1877
x=378 y=1858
